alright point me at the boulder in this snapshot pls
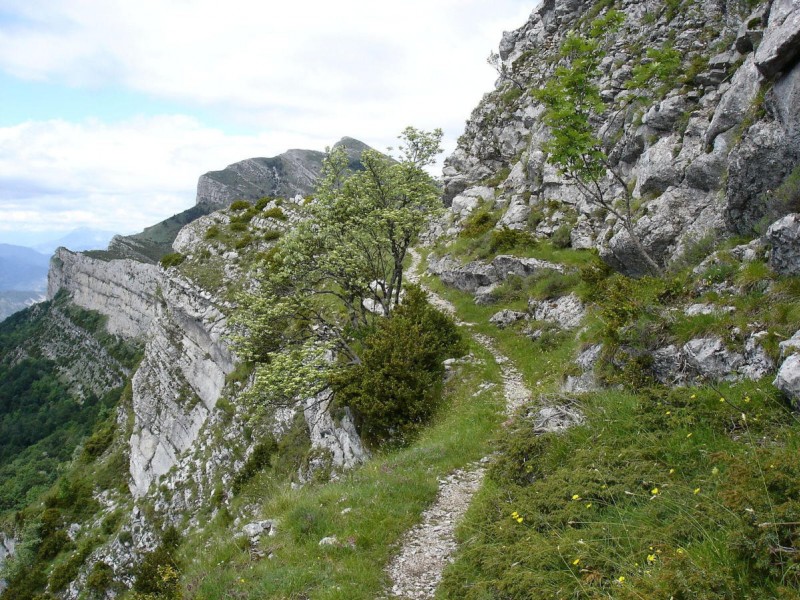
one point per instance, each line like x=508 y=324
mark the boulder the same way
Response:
x=504 y=318
x=664 y=115
x=669 y=366
x=781 y=44
x=751 y=31
x=788 y=378
x=784 y=235
x=566 y=311
x=790 y=346
x=586 y=381
x=758 y=363
x=710 y=358
x=736 y=101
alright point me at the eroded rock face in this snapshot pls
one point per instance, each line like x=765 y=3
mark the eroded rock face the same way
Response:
x=179 y=380
x=123 y=290
x=476 y=275
x=566 y=311
x=700 y=162
x=784 y=235
x=781 y=45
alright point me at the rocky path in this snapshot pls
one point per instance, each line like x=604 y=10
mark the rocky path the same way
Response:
x=428 y=547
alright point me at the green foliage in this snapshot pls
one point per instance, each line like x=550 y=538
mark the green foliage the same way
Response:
x=158 y=575
x=258 y=461
x=395 y=389
x=561 y=237
x=662 y=67
x=505 y=239
x=240 y=205
x=172 y=260
x=100 y=578
x=669 y=493
x=274 y=213
x=348 y=252
x=479 y=221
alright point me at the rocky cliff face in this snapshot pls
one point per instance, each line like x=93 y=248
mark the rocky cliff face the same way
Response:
x=705 y=154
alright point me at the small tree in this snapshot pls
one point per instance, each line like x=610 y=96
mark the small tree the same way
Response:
x=339 y=268
x=572 y=101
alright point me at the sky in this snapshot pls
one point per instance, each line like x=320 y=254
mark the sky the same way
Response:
x=110 y=110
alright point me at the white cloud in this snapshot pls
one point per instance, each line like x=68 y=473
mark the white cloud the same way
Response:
x=299 y=74
x=122 y=177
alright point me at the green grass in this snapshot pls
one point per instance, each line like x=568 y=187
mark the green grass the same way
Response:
x=385 y=498
x=684 y=493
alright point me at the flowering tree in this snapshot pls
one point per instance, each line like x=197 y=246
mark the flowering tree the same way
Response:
x=339 y=268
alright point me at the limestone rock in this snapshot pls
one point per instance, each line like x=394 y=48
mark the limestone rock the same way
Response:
x=758 y=363
x=790 y=346
x=781 y=44
x=339 y=440
x=567 y=311
x=784 y=235
x=788 y=378
x=504 y=318
x=478 y=275
x=586 y=381
x=669 y=366
x=736 y=101
x=751 y=31
x=710 y=358
x=663 y=116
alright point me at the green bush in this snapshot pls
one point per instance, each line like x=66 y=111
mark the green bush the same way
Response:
x=212 y=232
x=561 y=237
x=478 y=222
x=396 y=388
x=271 y=235
x=243 y=242
x=238 y=205
x=505 y=239
x=274 y=213
x=238 y=226
x=100 y=579
x=172 y=260
x=159 y=574
x=258 y=461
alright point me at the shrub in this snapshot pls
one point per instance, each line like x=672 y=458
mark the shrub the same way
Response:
x=274 y=213
x=561 y=237
x=478 y=222
x=271 y=235
x=212 y=232
x=396 y=388
x=258 y=460
x=158 y=573
x=238 y=205
x=505 y=239
x=238 y=226
x=101 y=578
x=243 y=242
x=172 y=260
x=262 y=203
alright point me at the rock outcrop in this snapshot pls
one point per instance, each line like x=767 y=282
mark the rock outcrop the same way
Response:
x=702 y=159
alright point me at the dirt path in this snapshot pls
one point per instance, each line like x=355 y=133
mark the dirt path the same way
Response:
x=428 y=547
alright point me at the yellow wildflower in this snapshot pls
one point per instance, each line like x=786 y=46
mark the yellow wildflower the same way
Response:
x=576 y=497
x=654 y=491
x=651 y=558
x=576 y=561
x=621 y=578
x=696 y=491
